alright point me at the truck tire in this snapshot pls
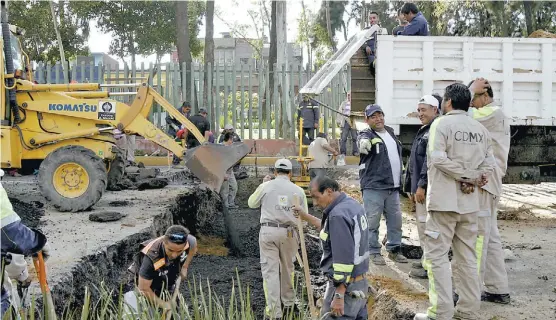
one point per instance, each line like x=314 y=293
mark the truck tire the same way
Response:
x=116 y=171
x=72 y=178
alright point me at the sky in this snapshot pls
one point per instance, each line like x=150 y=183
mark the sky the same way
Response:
x=230 y=14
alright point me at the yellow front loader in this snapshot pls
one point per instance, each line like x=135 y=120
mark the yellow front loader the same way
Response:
x=70 y=127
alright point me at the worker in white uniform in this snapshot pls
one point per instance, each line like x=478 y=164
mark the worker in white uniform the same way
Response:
x=489 y=245
x=278 y=241
x=458 y=151
x=320 y=151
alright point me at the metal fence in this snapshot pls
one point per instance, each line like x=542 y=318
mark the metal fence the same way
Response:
x=238 y=95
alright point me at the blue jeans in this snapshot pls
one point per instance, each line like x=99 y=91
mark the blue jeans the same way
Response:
x=347 y=131
x=377 y=202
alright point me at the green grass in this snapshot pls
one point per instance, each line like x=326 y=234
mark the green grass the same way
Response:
x=204 y=304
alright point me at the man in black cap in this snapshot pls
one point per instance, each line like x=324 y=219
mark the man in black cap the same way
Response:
x=380 y=168
x=201 y=122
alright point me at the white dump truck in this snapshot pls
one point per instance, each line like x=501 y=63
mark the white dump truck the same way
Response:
x=522 y=72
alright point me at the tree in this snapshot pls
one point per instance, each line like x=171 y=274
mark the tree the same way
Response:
x=209 y=53
x=40 y=39
x=272 y=55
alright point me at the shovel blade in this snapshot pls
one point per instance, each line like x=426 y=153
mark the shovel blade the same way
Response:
x=210 y=162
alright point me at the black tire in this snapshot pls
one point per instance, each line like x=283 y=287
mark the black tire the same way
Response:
x=88 y=160
x=116 y=172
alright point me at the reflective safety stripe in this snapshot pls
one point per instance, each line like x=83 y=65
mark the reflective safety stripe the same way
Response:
x=432 y=133
x=376 y=140
x=483 y=112
x=479 y=252
x=267 y=308
x=433 y=295
x=340 y=267
x=159 y=264
x=323 y=235
x=338 y=277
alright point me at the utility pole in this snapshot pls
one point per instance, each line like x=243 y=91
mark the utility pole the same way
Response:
x=60 y=45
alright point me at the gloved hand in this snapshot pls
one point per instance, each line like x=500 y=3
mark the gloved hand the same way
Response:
x=46 y=251
x=358 y=294
x=365 y=146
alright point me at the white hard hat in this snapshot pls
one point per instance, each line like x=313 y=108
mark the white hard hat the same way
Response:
x=1 y=173
x=228 y=127
x=283 y=164
x=430 y=100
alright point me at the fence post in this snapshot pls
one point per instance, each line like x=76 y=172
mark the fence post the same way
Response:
x=267 y=101
x=217 y=96
x=226 y=93
x=242 y=102
x=159 y=89
x=233 y=87
x=209 y=95
x=100 y=72
x=191 y=84
x=250 y=112
x=261 y=77
x=201 y=98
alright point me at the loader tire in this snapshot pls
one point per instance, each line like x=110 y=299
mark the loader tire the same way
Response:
x=116 y=172
x=72 y=178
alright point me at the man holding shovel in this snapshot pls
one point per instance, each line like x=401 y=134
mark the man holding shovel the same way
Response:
x=344 y=234
x=278 y=237
x=158 y=266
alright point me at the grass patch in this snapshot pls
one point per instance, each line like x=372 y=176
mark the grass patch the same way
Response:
x=395 y=288
x=212 y=246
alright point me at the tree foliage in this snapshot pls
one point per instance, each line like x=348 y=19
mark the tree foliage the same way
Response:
x=39 y=41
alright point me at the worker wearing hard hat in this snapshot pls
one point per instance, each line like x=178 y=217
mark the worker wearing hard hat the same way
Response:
x=345 y=258
x=19 y=239
x=278 y=241
x=458 y=151
x=416 y=176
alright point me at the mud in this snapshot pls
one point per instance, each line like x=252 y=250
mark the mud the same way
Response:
x=30 y=213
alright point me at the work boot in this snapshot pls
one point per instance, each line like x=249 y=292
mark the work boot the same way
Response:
x=397 y=257
x=455 y=297
x=377 y=259
x=418 y=273
x=422 y=316
x=417 y=265
x=503 y=298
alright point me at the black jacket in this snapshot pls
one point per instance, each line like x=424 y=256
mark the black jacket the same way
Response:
x=375 y=171
x=416 y=175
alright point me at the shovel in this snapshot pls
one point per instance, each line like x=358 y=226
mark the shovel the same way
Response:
x=40 y=267
x=210 y=162
x=312 y=308
x=168 y=313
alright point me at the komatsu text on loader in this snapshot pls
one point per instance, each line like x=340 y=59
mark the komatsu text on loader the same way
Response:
x=70 y=127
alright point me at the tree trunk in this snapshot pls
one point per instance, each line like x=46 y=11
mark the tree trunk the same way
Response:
x=528 y=16
x=209 y=56
x=329 y=26
x=182 y=26
x=272 y=56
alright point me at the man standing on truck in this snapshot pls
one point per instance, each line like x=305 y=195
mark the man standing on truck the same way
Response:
x=416 y=177
x=308 y=110
x=345 y=256
x=278 y=237
x=157 y=266
x=492 y=269
x=369 y=47
x=344 y=123
x=458 y=151
x=418 y=25
x=402 y=24
x=380 y=168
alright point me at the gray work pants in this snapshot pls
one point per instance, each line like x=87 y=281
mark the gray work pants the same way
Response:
x=354 y=308
x=277 y=250
x=347 y=131
x=127 y=144
x=387 y=202
x=228 y=190
x=445 y=229
x=315 y=172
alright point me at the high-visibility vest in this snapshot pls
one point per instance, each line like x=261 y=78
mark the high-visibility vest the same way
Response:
x=7 y=213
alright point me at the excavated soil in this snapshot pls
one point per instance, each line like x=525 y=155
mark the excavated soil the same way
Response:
x=30 y=213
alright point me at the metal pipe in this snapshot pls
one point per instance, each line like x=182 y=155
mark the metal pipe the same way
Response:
x=48 y=138
x=63 y=87
x=10 y=69
x=114 y=94
x=121 y=85
x=88 y=94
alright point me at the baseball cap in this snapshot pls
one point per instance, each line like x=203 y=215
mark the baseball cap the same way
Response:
x=371 y=109
x=202 y=110
x=228 y=127
x=430 y=100
x=283 y=164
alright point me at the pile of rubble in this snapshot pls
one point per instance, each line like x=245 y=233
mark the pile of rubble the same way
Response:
x=140 y=178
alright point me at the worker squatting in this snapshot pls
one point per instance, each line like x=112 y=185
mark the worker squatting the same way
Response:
x=455 y=182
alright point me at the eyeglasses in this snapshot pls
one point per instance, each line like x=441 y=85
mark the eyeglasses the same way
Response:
x=177 y=238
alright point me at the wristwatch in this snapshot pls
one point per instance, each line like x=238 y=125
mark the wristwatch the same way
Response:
x=338 y=296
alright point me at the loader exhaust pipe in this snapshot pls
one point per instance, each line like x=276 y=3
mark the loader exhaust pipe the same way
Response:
x=6 y=33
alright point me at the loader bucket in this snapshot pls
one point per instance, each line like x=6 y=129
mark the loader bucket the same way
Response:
x=210 y=162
